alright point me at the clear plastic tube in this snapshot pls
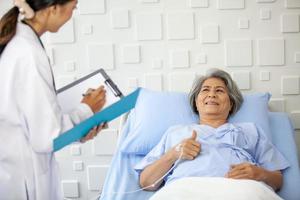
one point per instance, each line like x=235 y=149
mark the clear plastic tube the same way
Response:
x=178 y=148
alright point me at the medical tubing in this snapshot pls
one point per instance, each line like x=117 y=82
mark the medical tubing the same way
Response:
x=149 y=186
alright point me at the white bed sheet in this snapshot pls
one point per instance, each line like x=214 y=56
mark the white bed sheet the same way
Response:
x=215 y=188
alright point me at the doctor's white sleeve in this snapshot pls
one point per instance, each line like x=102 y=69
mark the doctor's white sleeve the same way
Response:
x=38 y=107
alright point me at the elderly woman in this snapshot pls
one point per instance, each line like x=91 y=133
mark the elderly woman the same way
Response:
x=214 y=147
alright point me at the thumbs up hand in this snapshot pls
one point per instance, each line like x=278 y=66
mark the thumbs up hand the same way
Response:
x=194 y=135
x=189 y=148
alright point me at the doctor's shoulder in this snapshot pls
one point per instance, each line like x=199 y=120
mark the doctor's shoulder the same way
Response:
x=25 y=50
x=19 y=47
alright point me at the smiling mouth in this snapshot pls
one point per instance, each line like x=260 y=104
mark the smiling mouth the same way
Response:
x=211 y=103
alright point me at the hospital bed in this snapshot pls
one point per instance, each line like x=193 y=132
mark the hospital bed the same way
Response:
x=169 y=108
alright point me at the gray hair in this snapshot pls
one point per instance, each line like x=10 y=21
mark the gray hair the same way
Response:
x=235 y=96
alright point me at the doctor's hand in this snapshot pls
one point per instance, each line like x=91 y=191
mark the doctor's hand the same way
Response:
x=93 y=132
x=189 y=148
x=95 y=99
x=246 y=171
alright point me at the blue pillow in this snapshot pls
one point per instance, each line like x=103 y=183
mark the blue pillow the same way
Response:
x=155 y=112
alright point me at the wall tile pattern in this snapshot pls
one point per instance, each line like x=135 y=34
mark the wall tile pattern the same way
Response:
x=164 y=45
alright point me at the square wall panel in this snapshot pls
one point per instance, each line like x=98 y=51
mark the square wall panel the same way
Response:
x=70 y=66
x=198 y=3
x=154 y=82
x=271 y=52
x=238 y=52
x=180 y=25
x=96 y=176
x=77 y=165
x=87 y=29
x=277 y=105
x=179 y=59
x=64 y=35
x=91 y=7
x=243 y=23
x=106 y=142
x=101 y=56
x=290 y=23
x=131 y=53
x=70 y=188
x=290 y=85
x=119 y=18
x=242 y=79
x=264 y=76
x=231 y=4
x=292 y=3
x=181 y=82
x=295 y=117
x=209 y=33
x=265 y=14
x=148 y=26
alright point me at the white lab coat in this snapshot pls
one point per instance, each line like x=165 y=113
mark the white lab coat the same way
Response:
x=30 y=118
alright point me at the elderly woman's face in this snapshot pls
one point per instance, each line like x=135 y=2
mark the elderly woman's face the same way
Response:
x=213 y=99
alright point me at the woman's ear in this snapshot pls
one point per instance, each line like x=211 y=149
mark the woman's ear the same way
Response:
x=231 y=106
x=196 y=104
x=53 y=9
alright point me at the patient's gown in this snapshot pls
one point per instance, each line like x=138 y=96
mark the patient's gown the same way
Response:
x=220 y=147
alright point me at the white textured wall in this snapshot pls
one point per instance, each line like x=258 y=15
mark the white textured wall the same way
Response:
x=162 y=45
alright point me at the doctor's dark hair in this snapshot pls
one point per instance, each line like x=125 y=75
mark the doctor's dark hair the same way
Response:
x=8 y=22
x=235 y=96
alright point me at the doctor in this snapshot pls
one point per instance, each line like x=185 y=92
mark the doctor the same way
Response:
x=30 y=117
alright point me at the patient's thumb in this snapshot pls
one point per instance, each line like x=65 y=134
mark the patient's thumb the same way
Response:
x=194 y=135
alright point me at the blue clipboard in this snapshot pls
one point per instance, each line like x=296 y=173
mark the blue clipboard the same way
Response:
x=111 y=112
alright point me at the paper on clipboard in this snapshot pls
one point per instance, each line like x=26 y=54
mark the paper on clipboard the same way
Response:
x=70 y=96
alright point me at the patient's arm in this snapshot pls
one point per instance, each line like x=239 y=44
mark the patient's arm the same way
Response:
x=156 y=170
x=249 y=171
x=189 y=149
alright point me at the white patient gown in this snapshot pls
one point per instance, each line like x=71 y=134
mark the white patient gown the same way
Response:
x=220 y=147
x=30 y=119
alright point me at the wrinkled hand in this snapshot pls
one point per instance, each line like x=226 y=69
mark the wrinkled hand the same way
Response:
x=93 y=132
x=95 y=99
x=189 y=147
x=246 y=171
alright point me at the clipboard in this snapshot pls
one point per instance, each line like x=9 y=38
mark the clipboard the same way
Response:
x=111 y=112
x=69 y=96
